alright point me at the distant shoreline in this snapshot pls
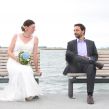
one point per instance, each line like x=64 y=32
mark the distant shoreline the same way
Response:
x=52 y=48
x=61 y=48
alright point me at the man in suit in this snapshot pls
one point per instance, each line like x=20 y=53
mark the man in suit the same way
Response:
x=84 y=55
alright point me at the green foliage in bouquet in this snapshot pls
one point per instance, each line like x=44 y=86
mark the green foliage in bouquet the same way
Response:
x=24 y=57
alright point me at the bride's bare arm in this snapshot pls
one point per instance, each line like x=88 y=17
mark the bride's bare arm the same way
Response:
x=35 y=55
x=11 y=48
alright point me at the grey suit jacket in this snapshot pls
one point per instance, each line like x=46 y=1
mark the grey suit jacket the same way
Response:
x=91 y=48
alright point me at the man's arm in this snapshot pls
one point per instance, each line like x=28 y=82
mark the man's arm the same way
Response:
x=94 y=56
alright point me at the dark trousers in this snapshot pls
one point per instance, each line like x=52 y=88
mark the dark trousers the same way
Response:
x=90 y=71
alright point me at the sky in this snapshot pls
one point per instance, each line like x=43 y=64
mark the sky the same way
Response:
x=55 y=20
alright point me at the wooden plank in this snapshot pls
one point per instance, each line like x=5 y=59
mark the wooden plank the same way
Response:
x=104 y=68
x=103 y=59
x=103 y=56
x=105 y=62
x=105 y=74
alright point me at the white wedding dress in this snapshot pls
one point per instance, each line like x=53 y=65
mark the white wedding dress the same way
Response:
x=21 y=79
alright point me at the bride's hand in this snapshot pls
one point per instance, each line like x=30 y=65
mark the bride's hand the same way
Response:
x=17 y=59
x=39 y=73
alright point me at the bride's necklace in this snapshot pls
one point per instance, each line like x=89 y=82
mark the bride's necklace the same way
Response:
x=26 y=36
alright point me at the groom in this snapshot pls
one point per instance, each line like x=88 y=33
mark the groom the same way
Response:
x=81 y=56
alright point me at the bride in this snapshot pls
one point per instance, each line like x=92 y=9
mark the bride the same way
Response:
x=22 y=85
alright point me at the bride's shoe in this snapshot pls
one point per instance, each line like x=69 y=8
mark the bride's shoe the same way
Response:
x=29 y=98
x=36 y=97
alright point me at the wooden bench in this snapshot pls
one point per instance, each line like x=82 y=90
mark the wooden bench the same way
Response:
x=3 y=70
x=102 y=76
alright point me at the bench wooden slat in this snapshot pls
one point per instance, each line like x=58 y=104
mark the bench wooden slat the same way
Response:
x=105 y=62
x=103 y=59
x=103 y=52
x=100 y=74
x=105 y=68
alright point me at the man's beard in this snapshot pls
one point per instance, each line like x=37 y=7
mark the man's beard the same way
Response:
x=77 y=36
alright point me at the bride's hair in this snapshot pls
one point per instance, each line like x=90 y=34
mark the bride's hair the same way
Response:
x=27 y=23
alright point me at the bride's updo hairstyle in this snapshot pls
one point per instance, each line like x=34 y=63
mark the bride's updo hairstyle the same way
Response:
x=27 y=23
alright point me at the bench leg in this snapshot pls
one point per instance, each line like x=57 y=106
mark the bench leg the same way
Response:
x=70 y=88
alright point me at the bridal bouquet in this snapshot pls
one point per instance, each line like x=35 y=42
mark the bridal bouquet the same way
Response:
x=24 y=57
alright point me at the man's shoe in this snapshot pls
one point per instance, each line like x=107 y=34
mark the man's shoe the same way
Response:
x=99 y=65
x=90 y=99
